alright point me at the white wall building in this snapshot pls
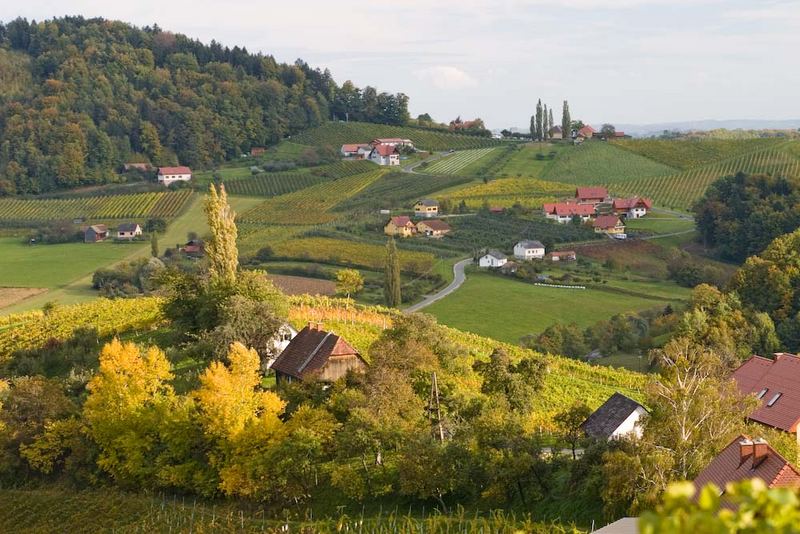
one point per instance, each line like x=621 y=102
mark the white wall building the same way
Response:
x=529 y=250
x=492 y=259
x=170 y=175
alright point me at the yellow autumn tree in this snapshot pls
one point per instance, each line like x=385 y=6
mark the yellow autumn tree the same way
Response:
x=128 y=397
x=223 y=256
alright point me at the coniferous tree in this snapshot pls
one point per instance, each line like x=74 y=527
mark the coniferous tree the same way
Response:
x=545 y=123
x=223 y=256
x=533 y=126
x=550 y=121
x=566 y=120
x=391 y=287
x=154 y=244
x=539 y=117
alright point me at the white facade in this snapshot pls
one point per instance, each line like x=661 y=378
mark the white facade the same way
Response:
x=629 y=426
x=168 y=179
x=130 y=234
x=524 y=251
x=391 y=159
x=280 y=341
x=490 y=261
x=637 y=212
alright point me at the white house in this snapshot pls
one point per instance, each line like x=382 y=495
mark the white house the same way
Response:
x=128 y=231
x=492 y=259
x=616 y=418
x=355 y=150
x=385 y=155
x=426 y=208
x=632 y=208
x=280 y=341
x=170 y=175
x=564 y=212
x=529 y=250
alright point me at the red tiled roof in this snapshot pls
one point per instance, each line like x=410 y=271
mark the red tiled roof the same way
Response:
x=729 y=466
x=560 y=253
x=436 y=225
x=586 y=131
x=606 y=221
x=630 y=203
x=385 y=150
x=402 y=220
x=781 y=375
x=591 y=193
x=568 y=209
x=174 y=170
x=309 y=351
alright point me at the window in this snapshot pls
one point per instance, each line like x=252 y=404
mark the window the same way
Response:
x=762 y=393
x=774 y=399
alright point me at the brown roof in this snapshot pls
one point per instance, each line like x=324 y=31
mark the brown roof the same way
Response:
x=586 y=131
x=629 y=203
x=436 y=225
x=566 y=209
x=603 y=422
x=385 y=150
x=353 y=147
x=309 y=351
x=591 y=192
x=174 y=170
x=778 y=376
x=401 y=220
x=99 y=228
x=607 y=221
x=741 y=460
x=563 y=253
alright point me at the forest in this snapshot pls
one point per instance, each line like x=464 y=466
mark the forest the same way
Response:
x=80 y=97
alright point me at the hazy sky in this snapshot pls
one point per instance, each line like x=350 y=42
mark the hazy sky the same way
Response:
x=614 y=60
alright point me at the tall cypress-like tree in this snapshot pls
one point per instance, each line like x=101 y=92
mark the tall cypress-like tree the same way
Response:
x=154 y=244
x=545 y=123
x=223 y=256
x=566 y=120
x=391 y=285
x=538 y=135
x=550 y=121
x=533 y=126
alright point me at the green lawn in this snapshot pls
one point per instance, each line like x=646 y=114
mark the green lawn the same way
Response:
x=600 y=163
x=523 y=163
x=507 y=309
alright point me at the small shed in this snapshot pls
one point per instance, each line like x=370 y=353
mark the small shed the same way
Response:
x=616 y=418
x=95 y=233
x=315 y=353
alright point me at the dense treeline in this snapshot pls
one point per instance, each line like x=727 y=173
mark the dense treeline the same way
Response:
x=739 y=215
x=79 y=97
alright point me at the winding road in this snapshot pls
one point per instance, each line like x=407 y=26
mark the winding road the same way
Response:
x=458 y=278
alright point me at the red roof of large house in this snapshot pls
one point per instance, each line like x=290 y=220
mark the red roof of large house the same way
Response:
x=353 y=147
x=775 y=378
x=567 y=209
x=586 y=131
x=743 y=459
x=309 y=351
x=174 y=170
x=589 y=193
x=436 y=225
x=633 y=202
x=402 y=220
x=606 y=222
x=385 y=150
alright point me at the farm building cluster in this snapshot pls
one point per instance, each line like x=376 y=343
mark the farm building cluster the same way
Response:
x=525 y=250
x=426 y=209
x=595 y=205
x=100 y=232
x=382 y=150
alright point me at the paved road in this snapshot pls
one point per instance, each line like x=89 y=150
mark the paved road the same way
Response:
x=659 y=236
x=458 y=278
x=433 y=157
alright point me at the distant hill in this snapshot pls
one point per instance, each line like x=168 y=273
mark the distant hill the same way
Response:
x=643 y=130
x=79 y=97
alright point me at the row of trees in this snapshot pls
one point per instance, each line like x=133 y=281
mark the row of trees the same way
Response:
x=542 y=122
x=95 y=94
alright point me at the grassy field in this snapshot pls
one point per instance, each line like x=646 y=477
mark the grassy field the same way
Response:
x=532 y=160
x=507 y=309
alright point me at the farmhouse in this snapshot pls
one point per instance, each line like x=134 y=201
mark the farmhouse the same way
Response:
x=280 y=341
x=564 y=212
x=609 y=224
x=633 y=207
x=529 y=250
x=587 y=132
x=591 y=195
x=128 y=231
x=563 y=255
x=555 y=132
x=400 y=226
x=776 y=384
x=392 y=141
x=616 y=418
x=170 y=175
x=385 y=154
x=315 y=353
x=433 y=228
x=426 y=208
x=746 y=458
x=355 y=151
x=258 y=151
x=95 y=233
x=492 y=259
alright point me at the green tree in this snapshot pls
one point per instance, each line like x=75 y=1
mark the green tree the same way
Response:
x=223 y=256
x=569 y=424
x=608 y=130
x=349 y=282
x=154 y=244
x=539 y=122
x=391 y=283
x=150 y=142
x=566 y=120
x=514 y=383
x=545 y=122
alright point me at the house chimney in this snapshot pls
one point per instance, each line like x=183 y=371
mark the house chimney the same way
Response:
x=760 y=451
x=314 y=325
x=745 y=450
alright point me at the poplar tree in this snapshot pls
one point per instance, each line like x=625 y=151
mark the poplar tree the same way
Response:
x=533 y=126
x=566 y=121
x=391 y=286
x=154 y=244
x=550 y=121
x=545 y=123
x=538 y=134
x=223 y=256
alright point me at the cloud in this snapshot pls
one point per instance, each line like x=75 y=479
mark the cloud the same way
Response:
x=446 y=77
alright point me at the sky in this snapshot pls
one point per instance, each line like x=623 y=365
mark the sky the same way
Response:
x=619 y=61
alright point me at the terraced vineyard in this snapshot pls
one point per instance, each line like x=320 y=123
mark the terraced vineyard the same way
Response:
x=458 y=161
x=506 y=192
x=338 y=133
x=688 y=153
x=681 y=190
x=597 y=162
x=163 y=204
x=399 y=190
x=312 y=205
x=272 y=184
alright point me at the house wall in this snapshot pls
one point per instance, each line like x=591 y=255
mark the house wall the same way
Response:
x=628 y=426
x=337 y=367
x=167 y=179
x=490 y=261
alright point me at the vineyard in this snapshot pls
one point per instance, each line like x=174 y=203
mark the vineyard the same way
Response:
x=336 y=134
x=506 y=192
x=681 y=190
x=164 y=204
x=597 y=162
x=399 y=190
x=312 y=205
x=272 y=184
x=687 y=153
x=456 y=162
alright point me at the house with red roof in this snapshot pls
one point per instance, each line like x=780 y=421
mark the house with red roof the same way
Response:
x=586 y=132
x=392 y=141
x=355 y=150
x=633 y=207
x=776 y=383
x=564 y=212
x=385 y=154
x=744 y=459
x=433 y=228
x=591 y=195
x=400 y=226
x=170 y=175
x=610 y=225
x=316 y=354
